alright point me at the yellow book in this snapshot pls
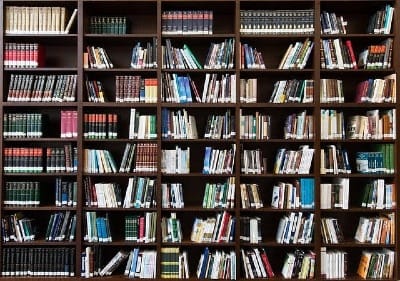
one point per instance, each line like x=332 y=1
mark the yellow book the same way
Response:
x=364 y=264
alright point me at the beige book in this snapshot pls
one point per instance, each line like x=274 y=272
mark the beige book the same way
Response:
x=24 y=28
x=62 y=19
x=55 y=19
x=41 y=20
x=18 y=23
x=7 y=27
x=48 y=19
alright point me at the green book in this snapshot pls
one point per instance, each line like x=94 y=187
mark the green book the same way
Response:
x=190 y=53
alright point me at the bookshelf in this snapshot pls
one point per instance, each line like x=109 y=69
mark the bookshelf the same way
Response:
x=108 y=107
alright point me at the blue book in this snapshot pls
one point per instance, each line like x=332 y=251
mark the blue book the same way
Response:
x=207 y=156
x=100 y=233
x=205 y=254
x=181 y=89
x=188 y=90
x=232 y=232
x=139 y=193
x=134 y=262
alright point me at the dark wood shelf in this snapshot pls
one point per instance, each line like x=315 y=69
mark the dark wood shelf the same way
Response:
x=64 y=55
x=39 y=104
x=42 y=69
x=40 y=140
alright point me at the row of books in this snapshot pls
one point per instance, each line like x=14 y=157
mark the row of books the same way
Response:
x=377 y=56
x=99 y=161
x=221 y=55
x=381 y=21
x=31 y=261
x=139 y=157
x=299 y=194
x=61 y=227
x=374 y=125
x=296 y=55
x=379 y=194
x=18 y=228
x=219 y=90
x=368 y=91
x=219 y=195
x=216 y=265
x=30 y=160
x=24 y=55
x=134 y=88
x=186 y=22
x=256 y=263
x=22 y=125
x=21 y=193
x=140 y=193
x=250 y=196
x=100 y=125
x=175 y=161
x=376 y=230
x=331 y=231
x=66 y=193
x=69 y=124
x=97 y=228
x=335 y=195
x=334 y=160
x=255 y=126
x=299 y=264
x=288 y=91
x=380 y=161
x=97 y=58
x=250 y=229
x=42 y=88
x=332 y=23
x=219 y=229
x=174 y=263
x=376 y=264
x=294 y=21
x=102 y=195
x=171 y=230
x=377 y=90
x=178 y=58
x=142 y=126
x=177 y=88
x=253 y=162
x=144 y=57
x=334 y=54
x=248 y=90
x=38 y=20
x=178 y=125
x=299 y=126
x=220 y=126
x=62 y=159
x=140 y=263
x=107 y=25
x=219 y=161
x=295 y=228
x=293 y=161
x=172 y=195
x=250 y=58
x=141 y=228
x=333 y=263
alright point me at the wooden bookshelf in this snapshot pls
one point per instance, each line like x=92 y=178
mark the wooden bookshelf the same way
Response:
x=64 y=55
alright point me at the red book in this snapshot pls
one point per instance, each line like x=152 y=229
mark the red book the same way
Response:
x=141 y=229
x=223 y=227
x=361 y=91
x=74 y=123
x=352 y=55
x=266 y=263
x=62 y=123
